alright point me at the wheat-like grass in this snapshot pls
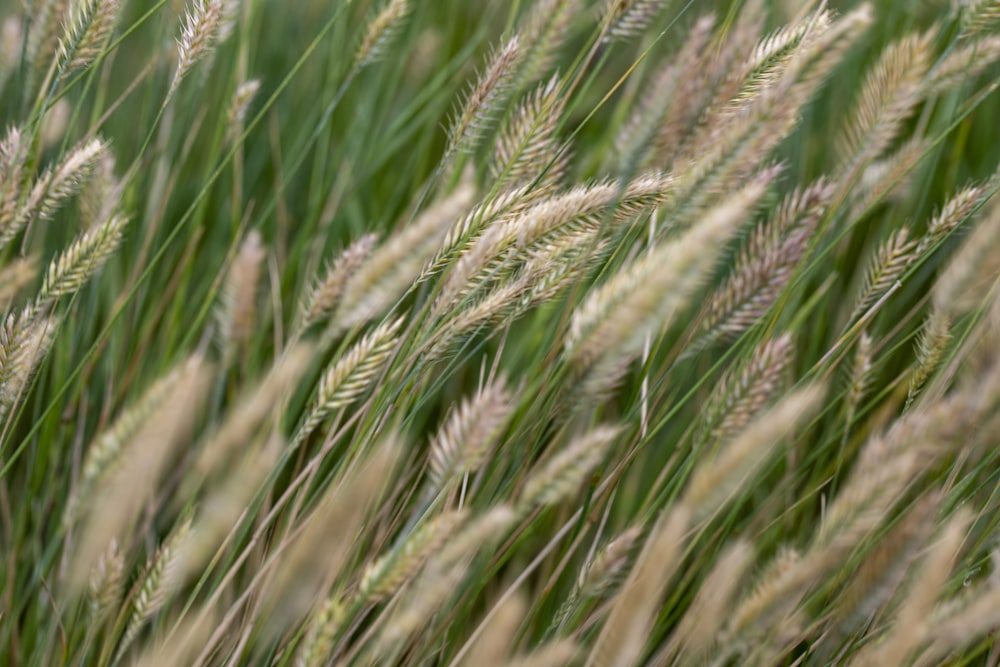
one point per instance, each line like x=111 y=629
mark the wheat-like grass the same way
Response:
x=390 y=572
x=629 y=18
x=54 y=186
x=24 y=342
x=200 y=32
x=564 y=472
x=703 y=620
x=252 y=411
x=608 y=288
x=742 y=392
x=463 y=442
x=893 y=257
x=392 y=268
x=765 y=265
x=979 y=16
x=891 y=91
x=159 y=580
x=912 y=626
x=544 y=30
x=348 y=378
x=238 y=106
x=486 y=97
x=88 y=27
x=527 y=149
x=238 y=311
x=381 y=32
x=612 y=324
x=972 y=270
x=494 y=644
x=74 y=266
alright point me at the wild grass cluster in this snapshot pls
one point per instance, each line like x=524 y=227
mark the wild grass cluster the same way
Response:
x=552 y=332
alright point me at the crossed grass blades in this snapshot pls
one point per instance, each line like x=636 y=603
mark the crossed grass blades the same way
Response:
x=561 y=332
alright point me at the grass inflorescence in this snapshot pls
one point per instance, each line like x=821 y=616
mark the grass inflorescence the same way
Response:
x=549 y=332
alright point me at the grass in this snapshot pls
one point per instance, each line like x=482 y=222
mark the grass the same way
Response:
x=547 y=332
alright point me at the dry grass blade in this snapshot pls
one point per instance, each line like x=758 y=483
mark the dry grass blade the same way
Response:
x=623 y=637
x=132 y=480
x=311 y=558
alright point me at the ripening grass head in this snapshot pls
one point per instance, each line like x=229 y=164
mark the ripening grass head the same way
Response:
x=536 y=333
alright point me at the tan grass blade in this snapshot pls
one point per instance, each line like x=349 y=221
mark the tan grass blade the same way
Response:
x=130 y=483
x=311 y=558
x=622 y=639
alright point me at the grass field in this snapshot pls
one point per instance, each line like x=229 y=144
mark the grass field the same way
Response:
x=469 y=332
